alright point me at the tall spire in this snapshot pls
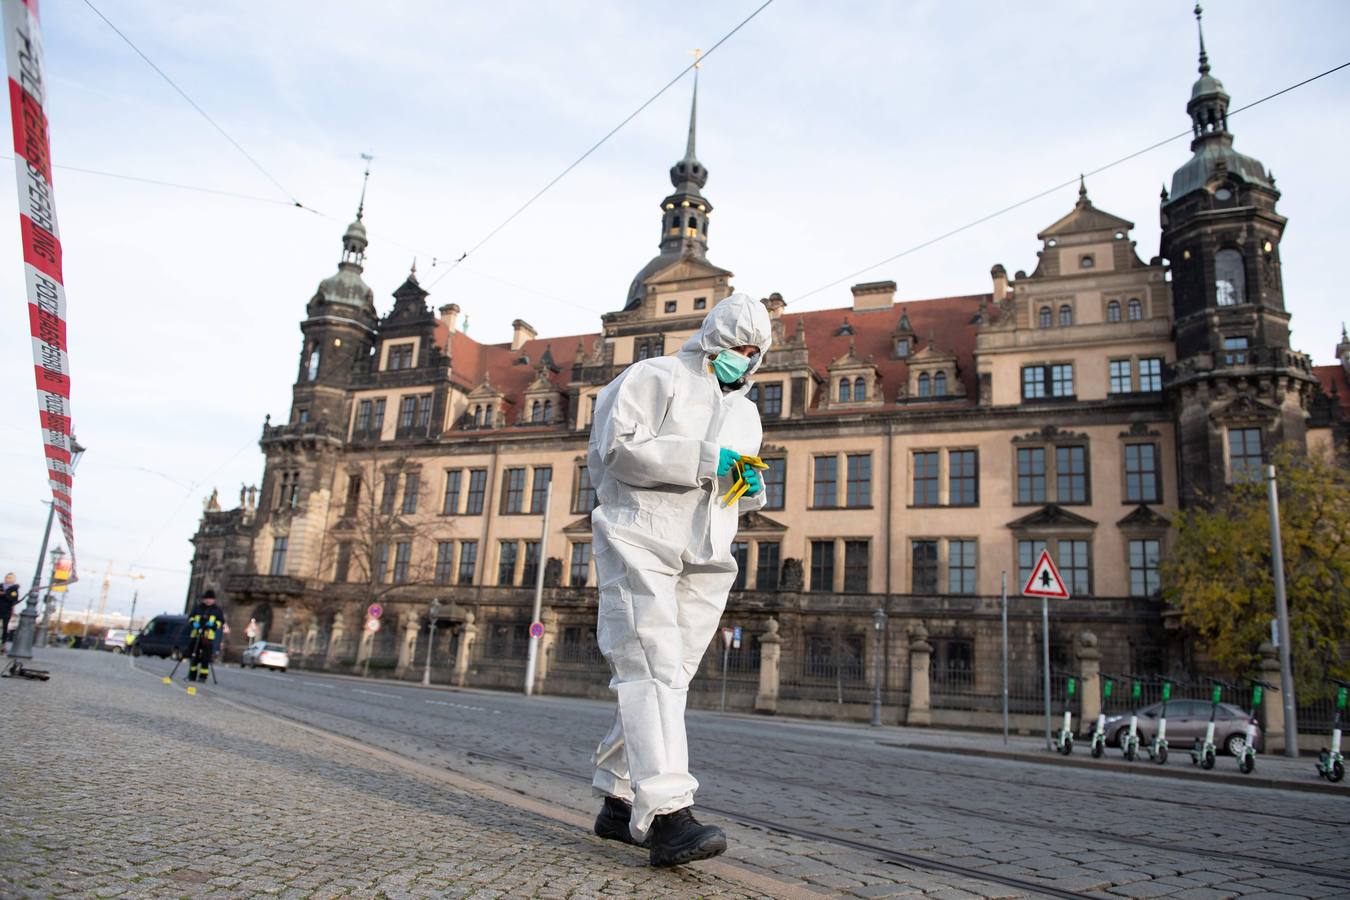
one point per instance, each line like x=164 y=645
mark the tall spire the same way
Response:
x=354 y=242
x=693 y=120
x=1200 y=29
x=365 y=179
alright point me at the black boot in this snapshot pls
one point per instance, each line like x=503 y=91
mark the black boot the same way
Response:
x=678 y=838
x=612 y=823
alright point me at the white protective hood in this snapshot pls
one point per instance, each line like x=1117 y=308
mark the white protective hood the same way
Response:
x=737 y=321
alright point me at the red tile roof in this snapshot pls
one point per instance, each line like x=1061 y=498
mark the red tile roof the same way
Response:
x=1334 y=378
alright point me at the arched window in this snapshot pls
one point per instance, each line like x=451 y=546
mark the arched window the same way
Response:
x=1113 y=311
x=1136 y=309
x=1230 y=281
x=843 y=390
x=940 y=384
x=674 y=222
x=1047 y=317
x=1066 y=315
x=925 y=387
x=536 y=412
x=859 y=389
x=548 y=411
x=478 y=415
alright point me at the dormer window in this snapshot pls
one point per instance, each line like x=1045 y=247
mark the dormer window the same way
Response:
x=400 y=357
x=940 y=384
x=859 y=389
x=1113 y=311
x=1086 y=261
x=901 y=348
x=671 y=306
x=844 y=390
x=925 y=385
x=700 y=303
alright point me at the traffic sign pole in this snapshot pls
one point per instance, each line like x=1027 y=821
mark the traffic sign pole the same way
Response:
x=1045 y=664
x=1003 y=589
x=1045 y=582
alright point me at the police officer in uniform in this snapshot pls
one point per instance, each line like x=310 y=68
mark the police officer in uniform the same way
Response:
x=207 y=621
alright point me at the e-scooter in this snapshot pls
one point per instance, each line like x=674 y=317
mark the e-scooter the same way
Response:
x=1247 y=758
x=1157 y=749
x=1099 y=735
x=1204 y=752
x=1330 y=763
x=1129 y=741
x=1064 y=737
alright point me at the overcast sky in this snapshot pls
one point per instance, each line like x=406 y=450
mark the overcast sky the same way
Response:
x=835 y=135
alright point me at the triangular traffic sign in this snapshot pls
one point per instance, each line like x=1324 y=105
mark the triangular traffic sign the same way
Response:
x=1045 y=580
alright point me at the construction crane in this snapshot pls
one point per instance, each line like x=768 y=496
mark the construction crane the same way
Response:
x=108 y=576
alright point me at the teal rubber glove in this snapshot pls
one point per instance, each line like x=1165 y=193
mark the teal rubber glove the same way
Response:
x=726 y=458
x=754 y=483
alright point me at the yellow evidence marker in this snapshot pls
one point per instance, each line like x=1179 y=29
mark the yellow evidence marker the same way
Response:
x=167 y=680
x=740 y=485
x=192 y=690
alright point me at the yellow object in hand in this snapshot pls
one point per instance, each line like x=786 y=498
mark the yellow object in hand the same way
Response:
x=740 y=486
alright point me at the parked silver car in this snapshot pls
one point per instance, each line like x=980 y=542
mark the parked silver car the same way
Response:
x=1186 y=721
x=269 y=656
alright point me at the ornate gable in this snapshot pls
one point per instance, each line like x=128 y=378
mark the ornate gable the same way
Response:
x=1052 y=517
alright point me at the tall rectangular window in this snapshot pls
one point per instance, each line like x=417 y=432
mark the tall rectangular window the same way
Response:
x=402 y=556
x=353 y=495
x=963 y=471
x=400 y=357
x=960 y=567
x=859 y=490
x=450 y=506
x=1031 y=475
x=1235 y=351
x=529 y=571
x=412 y=483
x=1244 y=454
x=825 y=490
x=856 y=568
x=543 y=478
x=926 y=478
x=1075 y=567
x=1120 y=377
x=740 y=551
x=584 y=501
x=381 y=562
x=771 y=399
x=445 y=560
x=468 y=561
x=1150 y=374
x=389 y=495
x=506 y=563
x=377 y=417
x=1027 y=554
x=423 y=411
x=513 y=491
x=477 y=492
x=924 y=571
x=1033 y=382
x=1061 y=380
x=775 y=478
x=278 y=556
x=1144 y=555
x=344 y=562
x=362 y=417
x=822 y=565
x=581 y=564
x=1141 y=473
x=407 y=412
x=1071 y=480
x=766 y=566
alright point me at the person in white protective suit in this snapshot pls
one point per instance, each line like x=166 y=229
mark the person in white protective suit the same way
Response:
x=664 y=438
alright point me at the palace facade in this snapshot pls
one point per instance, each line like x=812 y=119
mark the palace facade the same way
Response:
x=921 y=451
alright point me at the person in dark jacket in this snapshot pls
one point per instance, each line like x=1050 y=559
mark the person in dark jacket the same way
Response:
x=207 y=622
x=9 y=598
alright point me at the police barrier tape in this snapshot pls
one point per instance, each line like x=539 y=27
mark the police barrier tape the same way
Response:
x=41 y=251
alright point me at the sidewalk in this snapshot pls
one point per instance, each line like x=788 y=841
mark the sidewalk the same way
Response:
x=117 y=785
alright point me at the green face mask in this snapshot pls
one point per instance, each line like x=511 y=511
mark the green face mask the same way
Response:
x=729 y=366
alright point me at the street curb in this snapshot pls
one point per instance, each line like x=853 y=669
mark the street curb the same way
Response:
x=1311 y=787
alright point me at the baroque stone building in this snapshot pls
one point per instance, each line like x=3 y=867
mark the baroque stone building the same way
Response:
x=919 y=449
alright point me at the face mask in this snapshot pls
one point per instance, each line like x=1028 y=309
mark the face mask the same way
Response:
x=729 y=366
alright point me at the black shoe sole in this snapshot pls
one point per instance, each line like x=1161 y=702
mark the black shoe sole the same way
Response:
x=713 y=845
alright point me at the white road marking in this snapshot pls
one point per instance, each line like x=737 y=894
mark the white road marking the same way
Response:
x=316 y=683
x=456 y=705
x=376 y=694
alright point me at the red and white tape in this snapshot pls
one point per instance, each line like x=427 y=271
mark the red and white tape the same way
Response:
x=41 y=249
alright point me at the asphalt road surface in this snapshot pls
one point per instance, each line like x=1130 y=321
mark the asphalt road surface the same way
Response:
x=843 y=808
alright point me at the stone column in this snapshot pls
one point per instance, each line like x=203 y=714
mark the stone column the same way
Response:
x=466 y=637
x=336 y=638
x=920 y=710
x=770 y=648
x=550 y=620
x=1090 y=670
x=1272 y=704
x=407 y=650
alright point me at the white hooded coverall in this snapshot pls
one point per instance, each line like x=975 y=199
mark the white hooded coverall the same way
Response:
x=662 y=547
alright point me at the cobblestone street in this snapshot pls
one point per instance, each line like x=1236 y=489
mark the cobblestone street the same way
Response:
x=309 y=785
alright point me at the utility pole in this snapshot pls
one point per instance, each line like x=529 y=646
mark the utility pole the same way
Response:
x=535 y=640
x=1282 y=616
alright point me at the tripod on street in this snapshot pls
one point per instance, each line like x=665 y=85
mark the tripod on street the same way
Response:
x=193 y=647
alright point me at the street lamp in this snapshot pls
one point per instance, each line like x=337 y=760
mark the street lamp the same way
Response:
x=879 y=623
x=22 y=648
x=433 y=612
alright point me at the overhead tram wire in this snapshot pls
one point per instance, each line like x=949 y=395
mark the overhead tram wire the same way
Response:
x=598 y=144
x=174 y=184
x=214 y=124
x=1058 y=187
